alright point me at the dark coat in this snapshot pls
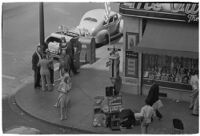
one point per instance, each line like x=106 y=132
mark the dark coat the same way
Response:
x=70 y=49
x=153 y=94
x=35 y=60
x=65 y=63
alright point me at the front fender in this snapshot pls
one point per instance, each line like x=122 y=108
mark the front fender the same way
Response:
x=100 y=36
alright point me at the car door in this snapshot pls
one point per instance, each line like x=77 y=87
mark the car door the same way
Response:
x=113 y=24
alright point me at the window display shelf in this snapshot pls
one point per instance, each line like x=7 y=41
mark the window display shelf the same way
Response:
x=168 y=84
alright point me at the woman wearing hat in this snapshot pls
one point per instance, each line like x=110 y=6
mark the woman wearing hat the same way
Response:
x=64 y=95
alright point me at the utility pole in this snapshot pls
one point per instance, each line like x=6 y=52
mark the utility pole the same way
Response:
x=41 y=23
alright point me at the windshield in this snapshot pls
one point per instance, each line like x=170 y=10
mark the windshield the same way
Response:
x=90 y=19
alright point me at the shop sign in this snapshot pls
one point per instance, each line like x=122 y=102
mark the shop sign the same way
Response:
x=131 y=64
x=187 y=12
x=115 y=100
x=115 y=108
x=115 y=103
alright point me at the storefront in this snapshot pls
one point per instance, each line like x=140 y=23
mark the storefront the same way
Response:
x=161 y=44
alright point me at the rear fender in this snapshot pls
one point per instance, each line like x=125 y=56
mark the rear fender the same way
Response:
x=100 y=37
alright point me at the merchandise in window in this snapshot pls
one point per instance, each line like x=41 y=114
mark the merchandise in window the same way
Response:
x=168 y=68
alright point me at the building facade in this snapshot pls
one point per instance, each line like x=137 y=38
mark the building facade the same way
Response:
x=160 y=44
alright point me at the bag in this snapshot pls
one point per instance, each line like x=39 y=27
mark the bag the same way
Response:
x=99 y=120
x=157 y=105
x=127 y=118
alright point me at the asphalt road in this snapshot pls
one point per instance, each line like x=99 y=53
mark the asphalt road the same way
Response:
x=20 y=35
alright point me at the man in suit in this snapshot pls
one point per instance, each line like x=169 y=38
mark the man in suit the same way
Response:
x=77 y=51
x=70 y=52
x=35 y=59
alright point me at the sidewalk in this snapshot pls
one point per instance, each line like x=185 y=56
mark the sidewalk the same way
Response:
x=91 y=82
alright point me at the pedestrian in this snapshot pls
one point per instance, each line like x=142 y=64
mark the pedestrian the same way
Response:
x=194 y=104
x=44 y=63
x=70 y=52
x=147 y=113
x=65 y=62
x=51 y=70
x=36 y=57
x=64 y=95
x=117 y=83
x=153 y=97
x=77 y=51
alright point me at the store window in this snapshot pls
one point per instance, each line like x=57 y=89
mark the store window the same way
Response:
x=168 y=69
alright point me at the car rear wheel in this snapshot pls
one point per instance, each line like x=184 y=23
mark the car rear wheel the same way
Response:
x=107 y=39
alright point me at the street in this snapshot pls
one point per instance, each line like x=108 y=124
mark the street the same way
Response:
x=24 y=105
x=20 y=35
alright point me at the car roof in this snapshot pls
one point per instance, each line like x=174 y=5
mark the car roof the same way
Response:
x=98 y=14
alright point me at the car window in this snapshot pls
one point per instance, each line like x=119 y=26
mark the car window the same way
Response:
x=111 y=20
x=90 y=19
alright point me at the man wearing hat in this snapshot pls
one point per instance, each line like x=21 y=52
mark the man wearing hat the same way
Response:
x=70 y=52
x=77 y=51
x=35 y=59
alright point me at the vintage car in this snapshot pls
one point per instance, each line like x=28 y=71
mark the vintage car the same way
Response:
x=94 y=23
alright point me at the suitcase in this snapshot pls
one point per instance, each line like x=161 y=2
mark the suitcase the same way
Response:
x=113 y=121
x=111 y=91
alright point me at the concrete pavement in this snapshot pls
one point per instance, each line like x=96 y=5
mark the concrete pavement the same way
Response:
x=91 y=82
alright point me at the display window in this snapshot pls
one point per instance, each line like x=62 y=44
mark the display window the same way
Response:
x=169 y=69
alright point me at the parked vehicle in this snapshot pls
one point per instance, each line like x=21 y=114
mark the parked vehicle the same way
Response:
x=93 y=23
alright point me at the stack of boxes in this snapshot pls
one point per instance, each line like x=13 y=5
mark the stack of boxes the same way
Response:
x=110 y=105
x=113 y=92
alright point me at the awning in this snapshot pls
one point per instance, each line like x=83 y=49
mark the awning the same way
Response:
x=169 y=38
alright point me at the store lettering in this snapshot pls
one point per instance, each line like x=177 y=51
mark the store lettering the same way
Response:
x=172 y=7
x=190 y=9
x=193 y=18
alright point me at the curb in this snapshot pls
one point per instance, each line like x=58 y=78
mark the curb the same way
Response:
x=58 y=125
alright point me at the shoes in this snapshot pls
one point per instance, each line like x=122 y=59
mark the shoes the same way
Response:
x=190 y=107
x=37 y=87
x=75 y=72
x=56 y=105
x=195 y=114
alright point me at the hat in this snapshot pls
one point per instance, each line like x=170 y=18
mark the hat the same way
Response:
x=63 y=39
